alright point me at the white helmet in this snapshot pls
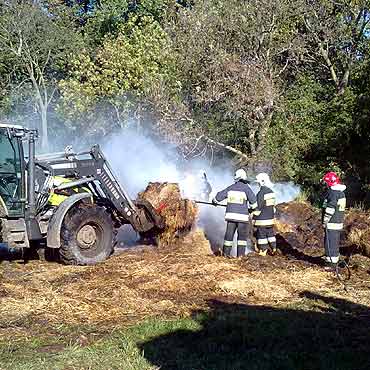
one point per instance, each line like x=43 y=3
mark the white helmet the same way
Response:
x=263 y=179
x=240 y=174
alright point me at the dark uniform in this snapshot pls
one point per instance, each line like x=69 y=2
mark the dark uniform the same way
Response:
x=264 y=218
x=333 y=217
x=240 y=198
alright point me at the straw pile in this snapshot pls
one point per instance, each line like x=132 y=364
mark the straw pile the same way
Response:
x=357 y=229
x=150 y=283
x=300 y=225
x=265 y=287
x=179 y=214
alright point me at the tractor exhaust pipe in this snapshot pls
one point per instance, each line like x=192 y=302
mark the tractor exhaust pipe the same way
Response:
x=33 y=228
x=31 y=176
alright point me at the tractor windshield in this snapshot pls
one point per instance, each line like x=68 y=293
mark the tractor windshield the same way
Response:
x=10 y=173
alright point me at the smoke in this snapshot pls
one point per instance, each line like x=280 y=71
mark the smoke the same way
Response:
x=138 y=159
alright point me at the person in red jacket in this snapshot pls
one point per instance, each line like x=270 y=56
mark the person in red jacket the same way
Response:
x=333 y=209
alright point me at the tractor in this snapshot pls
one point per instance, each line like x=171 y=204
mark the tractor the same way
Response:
x=65 y=201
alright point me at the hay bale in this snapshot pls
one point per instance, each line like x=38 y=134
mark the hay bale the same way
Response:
x=179 y=214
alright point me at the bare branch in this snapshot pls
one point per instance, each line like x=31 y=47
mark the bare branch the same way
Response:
x=229 y=148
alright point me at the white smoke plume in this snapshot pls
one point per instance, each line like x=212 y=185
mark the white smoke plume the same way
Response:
x=138 y=160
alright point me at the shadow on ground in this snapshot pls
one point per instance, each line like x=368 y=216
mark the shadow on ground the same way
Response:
x=240 y=336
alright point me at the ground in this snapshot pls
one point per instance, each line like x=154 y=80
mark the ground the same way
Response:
x=183 y=308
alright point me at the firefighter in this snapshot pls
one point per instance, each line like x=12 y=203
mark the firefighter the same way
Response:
x=240 y=198
x=334 y=206
x=205 y=186
x=264 y=216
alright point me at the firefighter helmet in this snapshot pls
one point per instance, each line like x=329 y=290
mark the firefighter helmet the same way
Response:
x=240 y=174
x=331 y=179
x=263 y=179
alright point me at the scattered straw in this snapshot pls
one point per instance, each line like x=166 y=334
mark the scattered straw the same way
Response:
x=156 y=282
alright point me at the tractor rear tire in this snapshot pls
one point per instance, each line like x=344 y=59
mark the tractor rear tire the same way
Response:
x=86 y=235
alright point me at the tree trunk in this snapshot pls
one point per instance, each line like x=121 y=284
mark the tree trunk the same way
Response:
x=262 y=134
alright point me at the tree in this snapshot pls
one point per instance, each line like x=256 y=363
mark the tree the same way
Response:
x=37 y=44
x=337 y=30
x=121 y=75
x=232 y=56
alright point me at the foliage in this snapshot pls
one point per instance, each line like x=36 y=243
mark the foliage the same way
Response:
x=272 y=81
x=124 y=69
x=231 y=57
x=34 y=48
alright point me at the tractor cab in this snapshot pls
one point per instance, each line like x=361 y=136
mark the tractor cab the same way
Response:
x=12 y=171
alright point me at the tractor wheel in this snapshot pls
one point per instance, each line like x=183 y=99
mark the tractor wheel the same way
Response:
x=86 y=236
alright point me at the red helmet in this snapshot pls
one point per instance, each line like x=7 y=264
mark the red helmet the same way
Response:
x=331 y=179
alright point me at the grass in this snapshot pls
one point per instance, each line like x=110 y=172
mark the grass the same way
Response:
x=319 y=333
x=118 y=350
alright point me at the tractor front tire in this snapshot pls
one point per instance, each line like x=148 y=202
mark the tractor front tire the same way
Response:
x=86 y=235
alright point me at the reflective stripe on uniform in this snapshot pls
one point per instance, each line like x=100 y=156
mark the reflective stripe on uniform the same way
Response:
x=334 y=226
x=228 y=243
x=262 y=241
x=236 y=197
x=270 y=199
x=269 y=222
x=332 y=259
x=236 y=216
x=342 y=204
x=254 y=205
x=329 y=210
x=242 y=242
x=271 y=239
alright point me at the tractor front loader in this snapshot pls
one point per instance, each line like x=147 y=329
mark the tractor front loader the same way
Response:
x=66 y=201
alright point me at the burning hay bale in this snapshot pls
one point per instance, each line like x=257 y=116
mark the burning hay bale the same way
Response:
x=179 y=214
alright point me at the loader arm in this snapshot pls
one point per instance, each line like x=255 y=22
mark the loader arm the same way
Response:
x=92 y=168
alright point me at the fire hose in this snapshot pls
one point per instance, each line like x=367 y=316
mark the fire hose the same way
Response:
x=209 y=203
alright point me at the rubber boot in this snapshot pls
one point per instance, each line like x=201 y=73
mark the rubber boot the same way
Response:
x=249 y=248
x=227 y=251
x=241 y=250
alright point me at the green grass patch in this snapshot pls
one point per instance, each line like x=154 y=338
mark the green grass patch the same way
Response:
x=335 y=335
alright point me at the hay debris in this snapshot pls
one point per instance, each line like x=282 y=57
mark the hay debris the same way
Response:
x=357 y=230
x=266 y=287
x=154 y=282
x=179 y=214
x=300 y=225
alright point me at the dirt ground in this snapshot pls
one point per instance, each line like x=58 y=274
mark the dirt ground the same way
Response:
x=146 y=282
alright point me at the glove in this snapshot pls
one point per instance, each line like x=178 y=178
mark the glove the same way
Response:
x=214 y=202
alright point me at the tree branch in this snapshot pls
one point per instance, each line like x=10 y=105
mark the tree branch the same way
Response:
x=228 y=147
